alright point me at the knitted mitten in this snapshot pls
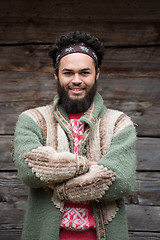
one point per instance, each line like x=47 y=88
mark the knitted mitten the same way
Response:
x=52 y=167
x=90 y=186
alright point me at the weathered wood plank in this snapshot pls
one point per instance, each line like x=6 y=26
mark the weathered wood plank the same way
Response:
x=136 y=61
x=116 y=23
x=22 y=86
x=147 y=190
x=148 y=154
x=144 y=10
x=40 y=30
x=144 y=236
x=6 y=153
x=126 y=61
x=142 y=217
x=11 y=234
x=129 y=88
x=11 y=220
x=8 y=182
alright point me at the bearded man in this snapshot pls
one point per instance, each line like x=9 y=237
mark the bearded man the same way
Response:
x=76 y=155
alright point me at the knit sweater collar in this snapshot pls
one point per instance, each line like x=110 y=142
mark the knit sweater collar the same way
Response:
x=90 y=117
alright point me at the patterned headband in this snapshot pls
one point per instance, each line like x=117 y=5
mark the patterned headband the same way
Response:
x=76 y=48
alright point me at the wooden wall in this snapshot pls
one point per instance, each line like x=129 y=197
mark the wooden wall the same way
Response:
x=130 y=81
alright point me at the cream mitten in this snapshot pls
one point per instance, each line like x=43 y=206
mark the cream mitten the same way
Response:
x=52 y=167
x=90 y=186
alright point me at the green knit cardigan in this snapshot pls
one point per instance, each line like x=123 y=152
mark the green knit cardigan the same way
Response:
x=42 y=218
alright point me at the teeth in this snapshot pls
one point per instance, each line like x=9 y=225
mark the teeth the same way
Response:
x=77 y=90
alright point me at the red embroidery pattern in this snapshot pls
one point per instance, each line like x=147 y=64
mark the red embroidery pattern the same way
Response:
x=78 y=128
x=77 y=217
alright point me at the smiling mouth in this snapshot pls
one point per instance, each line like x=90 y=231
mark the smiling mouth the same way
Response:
x=76 y=90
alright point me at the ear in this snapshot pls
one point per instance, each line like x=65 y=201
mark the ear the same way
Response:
x=98 y=73
x=55 y=75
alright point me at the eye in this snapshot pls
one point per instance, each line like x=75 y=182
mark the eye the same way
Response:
x=85 y=73
x=67 y=73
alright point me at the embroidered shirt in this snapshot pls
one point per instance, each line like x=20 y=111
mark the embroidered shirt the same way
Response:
x=77 y=216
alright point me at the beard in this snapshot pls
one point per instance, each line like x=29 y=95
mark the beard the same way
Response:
x=76 y=105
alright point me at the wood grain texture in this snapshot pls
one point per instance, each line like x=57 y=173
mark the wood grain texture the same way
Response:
x=116 y=23
x=142 y=217
x=6 y=154
x=126 y=10
x=45 y=30
x=144 y=235
x=148 y=154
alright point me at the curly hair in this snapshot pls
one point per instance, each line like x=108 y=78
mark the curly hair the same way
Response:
x=77 y=37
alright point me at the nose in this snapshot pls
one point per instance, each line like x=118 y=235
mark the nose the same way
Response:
x=76 y=79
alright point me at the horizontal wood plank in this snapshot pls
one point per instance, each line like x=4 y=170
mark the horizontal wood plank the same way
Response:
x=148 y=154
x=10 y=181
x=143 y=10
x=126 y=61
x=147 y=192
x=129 y=88
x=142 y=217
x=144 y=235
x=147 y=188
x=26 y=86
x=116 y=23
x=11 y=220
x=45 y=30
x=6 y=153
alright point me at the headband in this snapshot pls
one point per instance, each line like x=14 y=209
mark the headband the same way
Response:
x=75 y=48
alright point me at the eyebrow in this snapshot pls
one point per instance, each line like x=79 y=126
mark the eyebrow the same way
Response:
x=86 y=69
x=66 y=69
x=81 y=70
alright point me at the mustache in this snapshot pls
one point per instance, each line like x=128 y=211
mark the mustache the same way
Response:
x=82 y=87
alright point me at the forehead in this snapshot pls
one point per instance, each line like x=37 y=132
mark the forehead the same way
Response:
x=77 y=60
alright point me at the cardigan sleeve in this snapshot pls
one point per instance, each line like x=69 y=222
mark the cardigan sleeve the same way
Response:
x=27 y=136
x=40 y=165
x=121 y=159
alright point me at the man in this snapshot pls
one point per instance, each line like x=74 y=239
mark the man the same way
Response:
x=77 y=156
